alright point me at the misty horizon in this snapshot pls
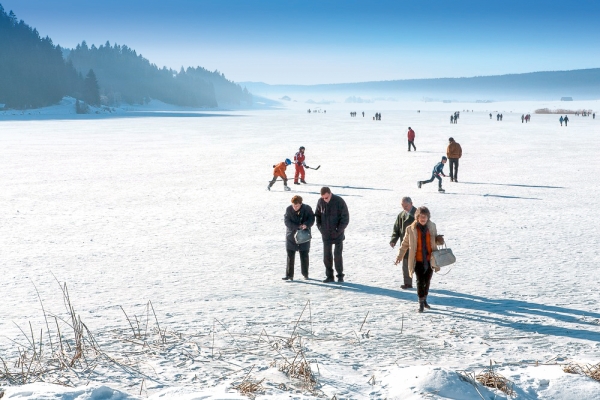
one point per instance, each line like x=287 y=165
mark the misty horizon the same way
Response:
x=309 y=42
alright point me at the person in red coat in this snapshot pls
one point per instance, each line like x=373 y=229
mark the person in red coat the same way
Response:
x=299 y=163
x=411 y=138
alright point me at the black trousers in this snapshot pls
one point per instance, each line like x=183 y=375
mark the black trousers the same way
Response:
x=453 y=168
x=424 y=273
x=291 y=259
x=331 y=257
x=411 y=143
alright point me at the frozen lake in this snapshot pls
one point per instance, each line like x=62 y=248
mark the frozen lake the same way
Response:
x=175 y=210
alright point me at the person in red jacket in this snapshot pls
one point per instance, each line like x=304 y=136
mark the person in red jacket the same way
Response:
x=299 y=163
x=411 y=138
x=279 y=172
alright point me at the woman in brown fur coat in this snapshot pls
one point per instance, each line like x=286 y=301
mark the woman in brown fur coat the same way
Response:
x=420 y=241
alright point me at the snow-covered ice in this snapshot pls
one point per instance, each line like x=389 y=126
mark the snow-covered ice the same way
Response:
x=174 y=210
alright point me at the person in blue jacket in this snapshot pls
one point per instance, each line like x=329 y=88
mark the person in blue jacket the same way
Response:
x=437 y=173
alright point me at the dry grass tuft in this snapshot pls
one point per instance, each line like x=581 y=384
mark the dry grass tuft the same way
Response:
x=591 y=371
x=494 y=380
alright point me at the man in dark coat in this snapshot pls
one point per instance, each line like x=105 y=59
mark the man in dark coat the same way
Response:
x=404 y=219
x=297 y=217
x=332 y=219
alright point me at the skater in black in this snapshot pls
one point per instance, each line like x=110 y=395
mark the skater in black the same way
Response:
x=297 y=217
x=332 y=219
x=437 y=173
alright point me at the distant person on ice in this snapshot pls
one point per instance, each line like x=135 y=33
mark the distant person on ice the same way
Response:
x=297 y=217
x=299 y=163
x=404 y=219
x=437 y=173
x=332 y=219
x=454 y=152
x=411 y=138
x=279 y=172
x=561 y=120
x=420 y=240
x=566 y=120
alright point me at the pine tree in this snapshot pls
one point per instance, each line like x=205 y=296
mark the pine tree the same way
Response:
x=91 y=90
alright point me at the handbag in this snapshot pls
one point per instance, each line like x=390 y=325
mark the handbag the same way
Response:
x=302 y=236
x=443 y=257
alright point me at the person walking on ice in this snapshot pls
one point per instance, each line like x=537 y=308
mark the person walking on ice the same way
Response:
x=420 y=241
x=332 y=219
x=299 y=164
x=403 y=221
x=297 y=217
x=411 y=138
x=454 y=152
x=566 y=120
x=279 y=172
x=437 y=173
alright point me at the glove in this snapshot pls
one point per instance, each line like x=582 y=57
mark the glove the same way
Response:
x=439 y=240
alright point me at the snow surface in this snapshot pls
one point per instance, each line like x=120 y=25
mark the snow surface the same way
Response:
x=174 y=210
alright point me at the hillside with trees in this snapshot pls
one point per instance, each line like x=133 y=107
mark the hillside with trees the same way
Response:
x=35 y=73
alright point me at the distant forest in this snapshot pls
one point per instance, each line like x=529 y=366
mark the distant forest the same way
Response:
x=35 y=73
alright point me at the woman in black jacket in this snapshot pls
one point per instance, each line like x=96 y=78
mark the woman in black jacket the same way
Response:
x=297 y=217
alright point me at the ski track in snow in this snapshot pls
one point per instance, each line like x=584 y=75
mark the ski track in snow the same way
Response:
x=176 y=211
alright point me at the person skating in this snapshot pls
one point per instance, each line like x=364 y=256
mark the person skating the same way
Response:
x=297 y=217
x=420 y=241
x=454 y=152
x=404 y=219
x=279 y=172
x=299 y=164
x=411 y=138
x=332 y=219
x=437 y=173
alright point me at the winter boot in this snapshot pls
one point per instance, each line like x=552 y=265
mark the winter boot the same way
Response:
x=296 y=183
x=419 y=184
x=425 y=304
x=287 y=188
x=421 y=305
x=302 y=180
x=441 y=190
x=269 y=188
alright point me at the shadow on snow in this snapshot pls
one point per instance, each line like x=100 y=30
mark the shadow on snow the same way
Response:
x=505 y=309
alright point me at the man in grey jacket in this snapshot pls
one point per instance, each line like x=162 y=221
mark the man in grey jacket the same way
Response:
x=404 y=219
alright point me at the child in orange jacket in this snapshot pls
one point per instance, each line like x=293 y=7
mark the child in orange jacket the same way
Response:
x=279 y=171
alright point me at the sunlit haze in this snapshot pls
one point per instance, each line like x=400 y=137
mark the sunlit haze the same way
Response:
x=309 y=42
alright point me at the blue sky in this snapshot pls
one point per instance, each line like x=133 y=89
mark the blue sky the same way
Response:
x=308 y=42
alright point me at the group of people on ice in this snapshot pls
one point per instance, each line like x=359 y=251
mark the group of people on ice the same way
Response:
x=525 y=118
x=413 y=227
x=300 y=173
x=453 y=153
x=454 y=117
x=332 y=217
x=565 y=120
